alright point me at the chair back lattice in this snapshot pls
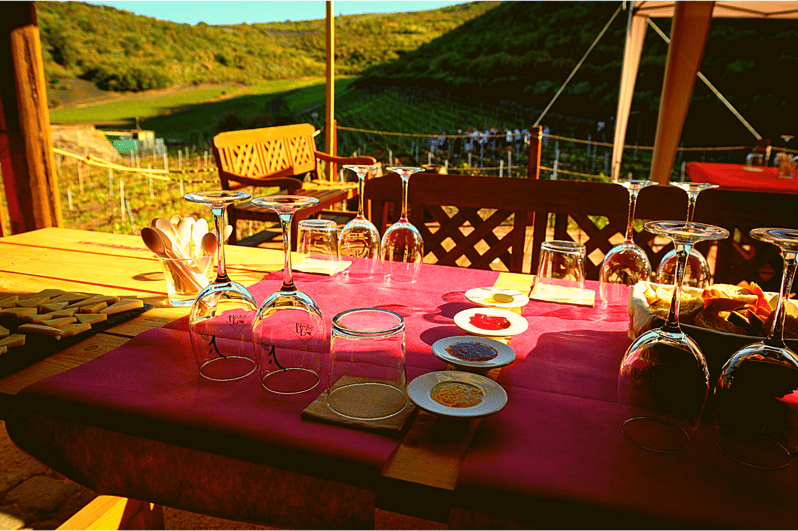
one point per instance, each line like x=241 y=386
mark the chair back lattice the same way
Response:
x=470 y=221
x=741 y=257
x=598 y=213
x=264 y=154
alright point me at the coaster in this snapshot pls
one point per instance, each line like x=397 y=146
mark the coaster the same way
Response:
x=563 y=295
x=393 y=426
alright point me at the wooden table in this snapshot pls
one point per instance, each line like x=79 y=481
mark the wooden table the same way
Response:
x=553 y=457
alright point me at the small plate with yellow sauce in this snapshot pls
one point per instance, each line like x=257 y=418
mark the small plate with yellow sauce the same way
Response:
x=457 y=394
x=508 y=299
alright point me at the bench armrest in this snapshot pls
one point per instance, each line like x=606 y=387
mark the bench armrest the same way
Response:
x=345 y=160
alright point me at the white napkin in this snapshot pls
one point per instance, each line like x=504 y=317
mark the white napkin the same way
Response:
x=321 y=267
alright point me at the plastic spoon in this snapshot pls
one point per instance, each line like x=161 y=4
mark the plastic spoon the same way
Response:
x=199 y=231
x=183 y=231
x=153 y=240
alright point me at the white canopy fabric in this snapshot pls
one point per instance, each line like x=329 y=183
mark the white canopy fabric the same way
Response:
x=689 y=32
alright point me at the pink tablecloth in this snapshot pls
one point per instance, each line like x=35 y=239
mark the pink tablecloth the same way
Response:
x=739 y=177
x=554 y=456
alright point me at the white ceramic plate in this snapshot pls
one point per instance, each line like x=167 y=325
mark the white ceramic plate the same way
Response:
x=494 y=397
x=504 y=354
x=485 y=297
x=518 y=324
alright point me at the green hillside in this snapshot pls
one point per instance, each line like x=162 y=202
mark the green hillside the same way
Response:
x=120 y=51
x=475 y=65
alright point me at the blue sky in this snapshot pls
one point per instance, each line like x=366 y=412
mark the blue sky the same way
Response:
x=250 y=11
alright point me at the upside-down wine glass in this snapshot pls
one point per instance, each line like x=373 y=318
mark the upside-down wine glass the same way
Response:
x=626 y=263
x=698 y=274
x=220 y=321
x=663 y=381
x=360 y=238
x=756 y=419
x=288 y=331
x=402 y=244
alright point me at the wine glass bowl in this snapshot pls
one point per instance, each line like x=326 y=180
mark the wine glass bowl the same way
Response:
x=698 y=273
x=756 y=419
x=663 y=380
x=360 y=238
x=402 y=247
x=220 y=320
x=288 y=329
x=626 y=263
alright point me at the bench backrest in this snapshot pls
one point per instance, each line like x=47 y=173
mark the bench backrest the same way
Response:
x=264 y=154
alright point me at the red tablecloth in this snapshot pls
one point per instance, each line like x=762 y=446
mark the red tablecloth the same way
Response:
x=554 y=457
x=739 y=177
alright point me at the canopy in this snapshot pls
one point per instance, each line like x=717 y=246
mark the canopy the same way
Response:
x=690 y=29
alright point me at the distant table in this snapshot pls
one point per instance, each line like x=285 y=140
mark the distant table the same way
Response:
x=739 y=177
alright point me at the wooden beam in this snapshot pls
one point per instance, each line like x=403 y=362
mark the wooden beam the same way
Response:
x=329 y=130
x=26 y=156
x=635 y=35
x=111 y=512
x=535 y=148
x=689 y=34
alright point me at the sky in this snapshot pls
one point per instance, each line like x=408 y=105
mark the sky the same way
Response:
x=251 y=11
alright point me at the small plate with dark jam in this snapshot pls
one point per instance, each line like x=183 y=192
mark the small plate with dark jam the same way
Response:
x=493 y=322
x=473 y=351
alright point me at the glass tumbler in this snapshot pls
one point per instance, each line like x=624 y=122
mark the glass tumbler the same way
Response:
x=367 y=379
x=317 y=246
x=561 y=271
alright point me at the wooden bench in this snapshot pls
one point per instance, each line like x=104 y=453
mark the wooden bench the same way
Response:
x=285 y=157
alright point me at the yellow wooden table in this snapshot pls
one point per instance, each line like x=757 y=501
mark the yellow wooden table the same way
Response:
x=121 y=265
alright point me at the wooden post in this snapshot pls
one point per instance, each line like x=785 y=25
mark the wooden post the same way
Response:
x=330 y=107
x=535 y=147
x=26 y=155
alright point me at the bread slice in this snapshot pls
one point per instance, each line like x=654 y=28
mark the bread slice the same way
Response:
x=688 y=309
x=709 y=318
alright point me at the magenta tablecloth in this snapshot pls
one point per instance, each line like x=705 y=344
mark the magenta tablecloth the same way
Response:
x=554 y=456
x=738 y=177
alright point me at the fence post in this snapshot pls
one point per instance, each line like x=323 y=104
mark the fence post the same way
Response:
x=501 y=167
x=122 y=199
x=69 y=198
x=535 y=147
x=80 y=178
x=152 y=195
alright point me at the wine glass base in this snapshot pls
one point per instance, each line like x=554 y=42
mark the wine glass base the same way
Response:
x=290 y=381
x=227 y=369
x=367 y=401
x=753 y=449
x=656 y=434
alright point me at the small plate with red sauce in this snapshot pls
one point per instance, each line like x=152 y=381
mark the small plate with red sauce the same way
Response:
x=494 y=322
x=473 y=351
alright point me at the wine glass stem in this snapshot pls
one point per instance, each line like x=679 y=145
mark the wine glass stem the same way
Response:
x=631 y=218
x=691 y=199
x=360 y=199
x=288 y=276
x=404 y=197
x=682 y=252
x=221 y=264
x=776 y=335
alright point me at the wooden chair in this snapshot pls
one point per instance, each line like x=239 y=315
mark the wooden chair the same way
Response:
x=470 y=221
x=741 y=257
x=600 y=210
x=277 y=157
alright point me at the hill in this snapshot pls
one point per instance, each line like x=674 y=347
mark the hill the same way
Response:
x=507 y=59
x=523 y=51
x=119 y=51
